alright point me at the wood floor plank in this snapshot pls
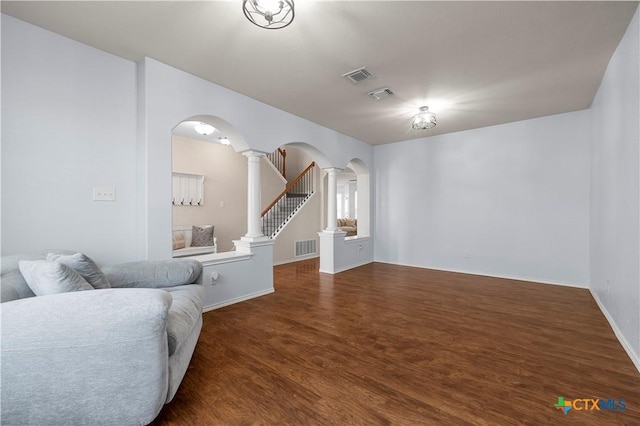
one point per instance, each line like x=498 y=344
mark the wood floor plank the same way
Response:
x=392 y=345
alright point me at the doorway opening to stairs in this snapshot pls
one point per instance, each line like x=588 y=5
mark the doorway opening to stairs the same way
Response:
x=293 y=217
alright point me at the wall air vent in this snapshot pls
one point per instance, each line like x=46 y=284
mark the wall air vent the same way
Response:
x=378 y=95
x=306 y=247
x=356 y=76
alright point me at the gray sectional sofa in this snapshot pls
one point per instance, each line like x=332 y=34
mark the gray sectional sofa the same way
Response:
x=111 y=356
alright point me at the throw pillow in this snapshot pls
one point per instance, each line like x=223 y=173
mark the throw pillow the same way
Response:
x=178 y=240
x=44 y=277
x=349 y=222
x=83 y=265
x=202 y=236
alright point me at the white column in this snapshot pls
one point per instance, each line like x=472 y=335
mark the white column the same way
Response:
x=254 y=222
x=332 y=192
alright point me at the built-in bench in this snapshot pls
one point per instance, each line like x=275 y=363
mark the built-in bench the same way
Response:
x=188 y=250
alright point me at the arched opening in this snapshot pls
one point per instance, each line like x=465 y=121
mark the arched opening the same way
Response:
x=298 y=210
x=360 y=191
x=347 y=201
x=209 y=186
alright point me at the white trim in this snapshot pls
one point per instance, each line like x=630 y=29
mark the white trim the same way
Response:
x=224 y=257
x=237 y=300
x=258 y=242
x=483 y=274
x=355 y=239
x=346 y=268
x=298 y=259
x=623 y=341
x=195 y=251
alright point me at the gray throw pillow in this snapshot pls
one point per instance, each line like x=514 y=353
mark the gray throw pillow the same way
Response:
x=83 y=265
x=202 y=236
x=44 y=277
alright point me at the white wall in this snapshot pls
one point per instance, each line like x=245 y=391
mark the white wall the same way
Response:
x=75 y=117
x=69 y=124
x=515 y=197
x=615 y=192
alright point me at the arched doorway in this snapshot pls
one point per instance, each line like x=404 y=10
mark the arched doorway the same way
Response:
x=302 y=214
x=209 y=187
x=361 y=192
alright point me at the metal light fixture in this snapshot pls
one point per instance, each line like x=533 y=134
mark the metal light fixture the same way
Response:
x=270 y=14
x=424 y=119
x=204 y=129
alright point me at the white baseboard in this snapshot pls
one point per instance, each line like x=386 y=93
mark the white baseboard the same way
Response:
x=623 y=341
x=483 y=274
x=297 y=259
x=346 y=268
x=237 y=300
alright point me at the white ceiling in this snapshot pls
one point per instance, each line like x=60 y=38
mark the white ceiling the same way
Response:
x=475 y=64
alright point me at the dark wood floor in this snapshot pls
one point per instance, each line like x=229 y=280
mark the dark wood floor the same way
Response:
x=385 y=344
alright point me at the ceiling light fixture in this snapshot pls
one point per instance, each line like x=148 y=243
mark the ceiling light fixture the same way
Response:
x=424 y=119
x=270 y=14
x=204 y=129
x=224 y=140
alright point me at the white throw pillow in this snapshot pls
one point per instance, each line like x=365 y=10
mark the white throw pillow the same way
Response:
x=44 y=277
x=83 y=265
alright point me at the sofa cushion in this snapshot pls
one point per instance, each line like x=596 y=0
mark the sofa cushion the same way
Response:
x=153 y=273
x=184 y=313
x=13 y=284
x=44 y=277
x=83 y=265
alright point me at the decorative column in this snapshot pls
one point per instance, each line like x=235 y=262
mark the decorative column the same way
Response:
x=254 y=225
x=332 y=192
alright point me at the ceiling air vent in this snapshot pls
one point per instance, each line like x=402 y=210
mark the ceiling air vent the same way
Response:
x=380 y=94
x=356 y=76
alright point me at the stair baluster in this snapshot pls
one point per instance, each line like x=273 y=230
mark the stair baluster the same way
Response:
x=282 y=209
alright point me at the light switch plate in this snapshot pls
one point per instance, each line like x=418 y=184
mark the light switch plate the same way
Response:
x=104 y=194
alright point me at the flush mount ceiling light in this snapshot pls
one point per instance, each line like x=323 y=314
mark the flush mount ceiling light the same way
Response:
x=270 y=14
x=224 y=140
x=424 y=119
x=204 y=129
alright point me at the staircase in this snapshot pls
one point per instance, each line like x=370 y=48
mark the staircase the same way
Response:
x=276 y=216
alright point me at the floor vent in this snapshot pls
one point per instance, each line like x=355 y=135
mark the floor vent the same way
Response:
x=306 y=247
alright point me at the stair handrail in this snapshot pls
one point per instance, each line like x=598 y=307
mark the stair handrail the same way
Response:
x=288 y=188
x=283 y=154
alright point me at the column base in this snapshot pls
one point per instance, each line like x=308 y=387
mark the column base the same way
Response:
x=246 y=245
x=253 y=239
